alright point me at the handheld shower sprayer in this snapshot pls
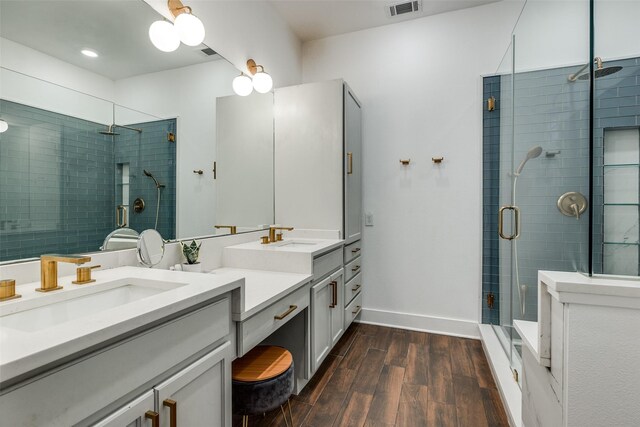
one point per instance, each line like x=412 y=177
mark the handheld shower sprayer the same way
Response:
x=150 y=175
x=158 y=187
x=531 y=154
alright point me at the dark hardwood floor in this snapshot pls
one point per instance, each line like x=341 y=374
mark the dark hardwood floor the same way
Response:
x=377 y=376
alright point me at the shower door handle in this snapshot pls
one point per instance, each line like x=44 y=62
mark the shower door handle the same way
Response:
x=516 y=211
x=121 y=220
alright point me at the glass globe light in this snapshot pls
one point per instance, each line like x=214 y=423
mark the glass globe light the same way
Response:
x=3 y=126
x=164 y=36
x=262 y=82
x=190 y=29
x=242 y=85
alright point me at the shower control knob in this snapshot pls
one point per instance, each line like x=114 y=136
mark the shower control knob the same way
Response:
x=572 y=204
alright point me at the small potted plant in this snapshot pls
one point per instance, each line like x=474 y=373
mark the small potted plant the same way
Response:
x=191 y=252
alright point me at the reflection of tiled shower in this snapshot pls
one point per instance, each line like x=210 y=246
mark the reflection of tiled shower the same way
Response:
x=57 y=180
x=152 y=151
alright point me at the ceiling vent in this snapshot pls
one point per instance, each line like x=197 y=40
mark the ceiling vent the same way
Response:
x=208 y=51
x=404 y=7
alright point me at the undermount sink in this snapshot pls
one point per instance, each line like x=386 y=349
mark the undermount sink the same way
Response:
x=77 y=306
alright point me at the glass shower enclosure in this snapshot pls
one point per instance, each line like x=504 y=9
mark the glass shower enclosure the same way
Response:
x=561 y=154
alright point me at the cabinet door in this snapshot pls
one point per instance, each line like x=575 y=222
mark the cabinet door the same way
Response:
x=201 y=392
x=321 y=298
x=353 y=167
x=132 y=414
x=337 y=308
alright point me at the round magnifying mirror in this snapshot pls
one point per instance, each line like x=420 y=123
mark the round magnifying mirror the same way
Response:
x=122 y=238
x=150 y=248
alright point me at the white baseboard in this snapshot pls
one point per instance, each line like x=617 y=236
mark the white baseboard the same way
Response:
x=419 y=322
x=501 y=370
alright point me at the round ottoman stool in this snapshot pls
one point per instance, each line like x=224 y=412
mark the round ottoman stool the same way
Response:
x=262 y=380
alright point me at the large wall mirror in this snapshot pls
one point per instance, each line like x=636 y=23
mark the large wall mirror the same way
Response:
x=133 y=138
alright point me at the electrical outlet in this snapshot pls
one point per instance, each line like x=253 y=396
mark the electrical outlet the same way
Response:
x=368 y=219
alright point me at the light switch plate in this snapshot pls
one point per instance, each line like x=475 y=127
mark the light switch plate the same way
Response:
x=368 y=219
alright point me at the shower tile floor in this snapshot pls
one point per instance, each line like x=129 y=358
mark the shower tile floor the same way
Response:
x=379 y=376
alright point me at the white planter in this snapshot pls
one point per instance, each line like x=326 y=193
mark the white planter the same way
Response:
x=194 y=268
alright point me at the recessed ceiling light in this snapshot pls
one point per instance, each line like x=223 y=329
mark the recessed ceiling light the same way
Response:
x=89 y=53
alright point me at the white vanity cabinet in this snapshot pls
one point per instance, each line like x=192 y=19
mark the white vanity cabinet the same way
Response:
x=186 y=358
x=196 y=396
x=318 y=158
x=327 y=316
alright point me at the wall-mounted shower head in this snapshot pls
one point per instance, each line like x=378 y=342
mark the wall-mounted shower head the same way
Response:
x=150 y=175
x=531 y=154
x=600 y=71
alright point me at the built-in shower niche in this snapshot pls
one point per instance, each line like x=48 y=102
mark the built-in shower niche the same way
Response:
x=621 y=188
x=121 y=208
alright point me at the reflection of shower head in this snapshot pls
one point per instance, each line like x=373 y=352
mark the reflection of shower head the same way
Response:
x=109 y=131
x=600 y=71
x=150 y=175
x=531 y=154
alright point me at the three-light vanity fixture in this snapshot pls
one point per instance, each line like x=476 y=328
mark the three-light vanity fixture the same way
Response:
x=186 y=28
x=262 y=82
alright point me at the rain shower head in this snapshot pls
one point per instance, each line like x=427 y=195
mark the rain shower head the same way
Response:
x=600 y=71
x=531 y=154
x=109 y=131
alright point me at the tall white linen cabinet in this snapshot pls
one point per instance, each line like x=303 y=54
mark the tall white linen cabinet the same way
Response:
x=318 y=158
x=318 y=185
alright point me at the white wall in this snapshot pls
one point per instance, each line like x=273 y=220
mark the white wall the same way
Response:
x=188 y=93
x=420 y=86
x=239 y=30
x=34 y=78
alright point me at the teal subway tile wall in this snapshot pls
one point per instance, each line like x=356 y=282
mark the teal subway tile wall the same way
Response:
x=58 y=180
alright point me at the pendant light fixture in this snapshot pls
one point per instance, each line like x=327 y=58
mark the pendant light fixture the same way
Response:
x=186 y=28
x=262 y=82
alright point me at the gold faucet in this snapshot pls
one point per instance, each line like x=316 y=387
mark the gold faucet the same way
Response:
x=232 y=228
x=49 y=269
x=272 y=233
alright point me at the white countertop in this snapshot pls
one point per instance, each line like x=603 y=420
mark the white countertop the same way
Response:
x=262 y=288
x=313 y=247
x=24 y=351
x=290 y=255
x=528 y=331
x=600 y=290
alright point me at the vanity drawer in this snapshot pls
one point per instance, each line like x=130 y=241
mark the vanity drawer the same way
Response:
x=353 y=268
x=353 y=288
x=327 y=263
x=352 y=310
x=353 y=250
x=259 y=326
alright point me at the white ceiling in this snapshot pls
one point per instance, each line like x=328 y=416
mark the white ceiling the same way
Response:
x=116 y=29
x=315 y=19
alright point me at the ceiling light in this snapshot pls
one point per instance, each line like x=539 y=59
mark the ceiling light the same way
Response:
x=3 y=126
x=242 y=85
x=189 y=28
x=262 y=81
x=90 y=53
x=164 y=36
